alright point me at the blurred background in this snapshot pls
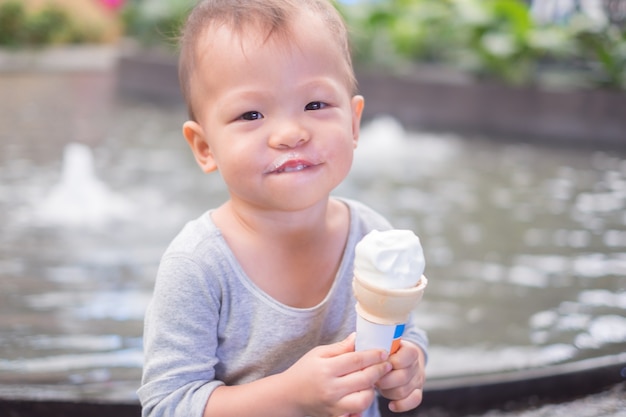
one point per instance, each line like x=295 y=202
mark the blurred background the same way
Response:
x=495 y=129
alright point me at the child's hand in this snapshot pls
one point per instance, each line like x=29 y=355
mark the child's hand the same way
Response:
x=403 y=385
x=334 y=380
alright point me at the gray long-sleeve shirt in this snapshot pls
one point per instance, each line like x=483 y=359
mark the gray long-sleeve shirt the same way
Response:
x=208 y=324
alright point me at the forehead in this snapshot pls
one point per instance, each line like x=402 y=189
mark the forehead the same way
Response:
x=255 y=33
x=304 y=32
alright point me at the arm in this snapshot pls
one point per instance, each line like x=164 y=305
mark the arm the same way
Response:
x=328 y=380
x=179 y=341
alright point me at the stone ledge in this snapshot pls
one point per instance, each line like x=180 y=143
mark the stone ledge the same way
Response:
x=70 y=58
x=447 y=397
x=582 y=116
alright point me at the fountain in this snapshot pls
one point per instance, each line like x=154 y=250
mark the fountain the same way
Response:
x=80 y=198
x=526 y=249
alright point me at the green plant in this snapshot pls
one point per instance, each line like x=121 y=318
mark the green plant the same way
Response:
x=496 y=39
x=155 y=22
x=604 y=49
x=46 y=26
x=12 y=16
x=51 y=24
x=401 y=28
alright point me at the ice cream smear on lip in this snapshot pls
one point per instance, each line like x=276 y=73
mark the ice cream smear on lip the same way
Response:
x=392 y=259
x=288 y=162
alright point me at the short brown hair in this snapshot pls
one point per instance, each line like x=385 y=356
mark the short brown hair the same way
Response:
x=272 y=16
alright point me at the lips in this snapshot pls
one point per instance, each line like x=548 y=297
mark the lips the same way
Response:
x=291 y=162
x=292 y=166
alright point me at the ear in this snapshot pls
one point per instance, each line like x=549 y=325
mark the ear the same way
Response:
x=194 y=134
x=357 y=104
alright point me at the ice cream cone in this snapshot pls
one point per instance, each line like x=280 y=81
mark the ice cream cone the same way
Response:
x=382 y=313
x=388 y=283
x=386 y=306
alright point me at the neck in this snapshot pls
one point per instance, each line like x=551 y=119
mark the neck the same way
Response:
x=288 y=227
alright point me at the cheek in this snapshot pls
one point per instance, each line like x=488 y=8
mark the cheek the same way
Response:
x=237 y=165
x=343 y=154
x=348 y=161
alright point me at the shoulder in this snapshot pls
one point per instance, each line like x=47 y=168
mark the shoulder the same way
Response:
x=193 y=234
x=196 y=239
x=199 y=251
x=364 y=219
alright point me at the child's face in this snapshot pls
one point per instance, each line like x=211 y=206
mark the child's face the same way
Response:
x=276 y=118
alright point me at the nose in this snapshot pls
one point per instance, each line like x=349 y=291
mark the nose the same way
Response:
x=289 y=134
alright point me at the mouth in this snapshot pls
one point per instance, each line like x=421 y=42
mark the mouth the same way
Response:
x=291 y=162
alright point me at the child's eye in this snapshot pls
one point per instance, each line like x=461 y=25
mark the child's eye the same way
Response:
x=251 y=115
x=315 y=105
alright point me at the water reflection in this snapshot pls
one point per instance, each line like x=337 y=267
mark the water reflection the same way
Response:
x=525 y=244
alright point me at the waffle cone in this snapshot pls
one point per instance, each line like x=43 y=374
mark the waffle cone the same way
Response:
x=386 y=306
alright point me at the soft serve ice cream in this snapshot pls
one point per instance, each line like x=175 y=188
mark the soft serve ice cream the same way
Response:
x=388 y=283
x=392 y=259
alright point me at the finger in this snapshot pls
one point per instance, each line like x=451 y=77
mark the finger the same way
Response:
x=405 y=356
x=347 y=361
x=398 y=384
x=391 y=380
x=344 y=346
x=366 y=378
x=407 y=377
x=355 y=361
x=408 y=403
x=357 y=402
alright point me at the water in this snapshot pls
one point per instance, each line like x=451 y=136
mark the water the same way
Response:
x=525 y=244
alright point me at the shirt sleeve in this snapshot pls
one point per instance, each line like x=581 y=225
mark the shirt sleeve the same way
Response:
x=414 y=334
x=180 y=341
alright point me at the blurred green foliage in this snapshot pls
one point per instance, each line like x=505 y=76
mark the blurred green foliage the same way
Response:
x=49 y=25
x=155 y=22
x=492 y=39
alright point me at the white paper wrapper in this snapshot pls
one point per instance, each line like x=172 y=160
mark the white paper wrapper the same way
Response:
x=377 y=336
